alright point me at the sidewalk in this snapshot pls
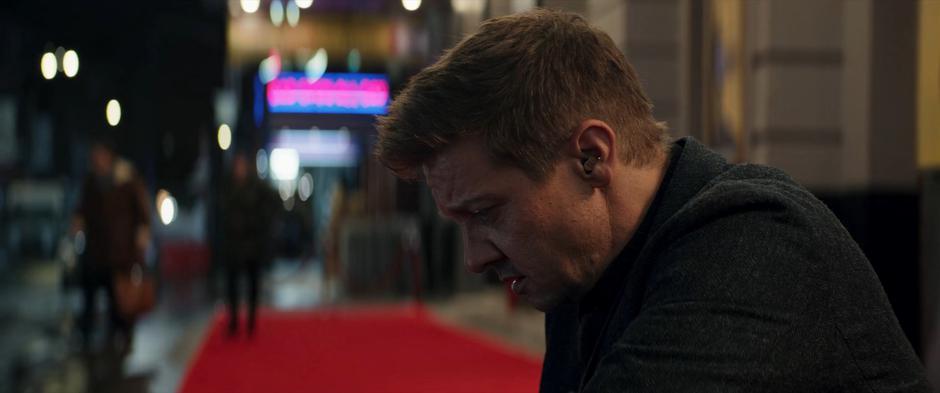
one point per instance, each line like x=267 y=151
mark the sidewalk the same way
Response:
x=487 y=311
x=39 y=349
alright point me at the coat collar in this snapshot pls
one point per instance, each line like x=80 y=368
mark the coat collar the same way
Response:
x=692 y=167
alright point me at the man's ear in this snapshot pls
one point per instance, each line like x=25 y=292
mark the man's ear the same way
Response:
x=592 y=151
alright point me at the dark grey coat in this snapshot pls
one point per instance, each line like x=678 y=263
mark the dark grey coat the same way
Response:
x=738 y=280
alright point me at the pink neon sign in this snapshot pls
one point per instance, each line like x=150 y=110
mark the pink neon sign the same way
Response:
x=332 y=93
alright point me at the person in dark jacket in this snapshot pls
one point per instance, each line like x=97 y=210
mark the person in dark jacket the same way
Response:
x=661 y=267
x=113 y=212
x=247 y=207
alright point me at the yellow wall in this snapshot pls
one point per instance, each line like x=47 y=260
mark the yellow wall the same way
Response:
x=729 y=21
x=928 y=86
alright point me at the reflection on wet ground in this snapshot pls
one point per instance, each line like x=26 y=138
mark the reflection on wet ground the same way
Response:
x=40 y=350
x=43 y=352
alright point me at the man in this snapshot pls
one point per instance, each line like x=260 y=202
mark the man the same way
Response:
x=661 y=267
x=114 y=213
x=248 y=206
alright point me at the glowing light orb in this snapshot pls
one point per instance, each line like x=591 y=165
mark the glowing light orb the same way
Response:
x=276 y=12
x=261 y=163
x=225 y=136
x=354 y=60
x=285 y=163
x=113 y=112
x=305 y=187
x=316 y=66
x=70 y=63
x=166 y=206
x=250 y=6
x=411 y=5
x=293 y=14
x=269 y=68
x=168 y=210
x=48 y=65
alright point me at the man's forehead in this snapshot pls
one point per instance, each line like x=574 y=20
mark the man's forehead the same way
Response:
x=445 y=175
x=457 y=171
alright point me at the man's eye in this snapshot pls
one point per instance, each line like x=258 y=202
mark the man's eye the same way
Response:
x=481 y=214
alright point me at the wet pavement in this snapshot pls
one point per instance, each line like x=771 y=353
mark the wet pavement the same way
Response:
x=41 y=351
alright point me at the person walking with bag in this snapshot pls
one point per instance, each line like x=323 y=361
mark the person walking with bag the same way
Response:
x=113 y=212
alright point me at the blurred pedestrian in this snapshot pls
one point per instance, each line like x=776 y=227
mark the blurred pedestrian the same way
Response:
x=346 y=203
x=113 y=211
x=248 y=207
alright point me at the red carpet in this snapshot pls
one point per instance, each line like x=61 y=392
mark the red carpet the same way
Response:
x=368 y=350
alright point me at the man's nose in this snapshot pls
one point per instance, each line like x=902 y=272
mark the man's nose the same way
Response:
x=479 y=252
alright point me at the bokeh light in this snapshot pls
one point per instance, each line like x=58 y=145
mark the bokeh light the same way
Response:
x=48 y=65
x=250 y=6
x=70 y=63
x=168 y=210
x=284 y=188
x=354 y=60
x=411 y=5
x=305 y=187
x=316 y=66
x=276 y=12
x=166 y=206
x=269 y=68
x=304 y=3
x=285 y=163
x=261 y=163
x=113 y=112
x=225 y=136
x=293 y=14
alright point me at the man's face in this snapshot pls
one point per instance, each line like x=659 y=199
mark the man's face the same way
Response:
x=547 y=235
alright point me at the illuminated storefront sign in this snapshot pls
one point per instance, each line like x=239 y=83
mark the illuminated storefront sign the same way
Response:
x=333 y=93
x=318 y=148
